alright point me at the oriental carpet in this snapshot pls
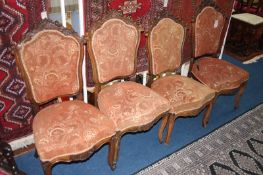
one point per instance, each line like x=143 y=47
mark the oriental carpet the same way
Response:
x=16 y=17
x=236 y=148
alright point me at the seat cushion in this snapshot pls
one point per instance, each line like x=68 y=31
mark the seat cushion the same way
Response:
x=183 y=93
x=69 y=128
x=130 y=104
x=219 y=74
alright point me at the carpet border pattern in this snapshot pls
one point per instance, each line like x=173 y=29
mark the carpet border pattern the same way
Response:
x=246 y=130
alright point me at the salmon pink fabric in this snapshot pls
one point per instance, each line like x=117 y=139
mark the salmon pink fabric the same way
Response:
x=131 y=104
x=183 y=93
x=69 y=128
x=51 y=61
x=219 y=74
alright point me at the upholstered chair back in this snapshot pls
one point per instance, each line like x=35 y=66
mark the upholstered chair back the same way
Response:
x=113 y=50
x=50 y=61
x=207 y=31
x=165 y=44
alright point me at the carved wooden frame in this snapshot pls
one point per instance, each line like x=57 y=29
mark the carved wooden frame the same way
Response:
x=115 y=141
x=169 y=120
x=242 y=85
x=50 y=25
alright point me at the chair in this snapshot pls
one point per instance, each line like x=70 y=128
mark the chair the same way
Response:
x=218 y=74
x=112 y=47
x=187 y=97
x=50 y=60
x=7 y=161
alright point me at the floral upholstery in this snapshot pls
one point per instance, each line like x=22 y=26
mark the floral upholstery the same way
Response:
x=51 y=60
x=166 y=40
x=114 y=47
x=219 y=74
x=130 y=104
x=208 y=27
x=183 y=93
x=69 y=128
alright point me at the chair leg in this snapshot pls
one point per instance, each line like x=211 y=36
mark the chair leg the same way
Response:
x=171 y=121
x=114 y=150
x=239 y=94
x=208 y=112
x=161 y=129
x=47 y=168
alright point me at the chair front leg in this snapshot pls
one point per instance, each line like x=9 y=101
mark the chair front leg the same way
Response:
x=47 y=168
x=239 y=94
x=162 y=127
x=114 y=150
x=171 y=121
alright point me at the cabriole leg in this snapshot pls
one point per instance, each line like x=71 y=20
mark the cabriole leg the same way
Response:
x=114 y=151
x=239 y=94
x=162 y=127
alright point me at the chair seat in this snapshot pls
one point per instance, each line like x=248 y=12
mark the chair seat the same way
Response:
x=130 y=104
x=184 y=94
x=219 y=74
x=69 y=128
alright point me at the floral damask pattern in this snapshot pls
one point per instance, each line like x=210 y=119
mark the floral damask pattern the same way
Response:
x=69 y=128
x=114 y=46
x=219 y=74
x=183 y=93
x=208 y=28
x=130 y=104
x=50 y=65
x=166 y=40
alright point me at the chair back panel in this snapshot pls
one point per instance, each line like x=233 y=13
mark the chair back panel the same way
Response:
x=114 y=49
x=208 y=28
x=166 y=43
x=50 y=61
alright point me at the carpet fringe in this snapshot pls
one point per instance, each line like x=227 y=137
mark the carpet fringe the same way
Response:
x=22 y=143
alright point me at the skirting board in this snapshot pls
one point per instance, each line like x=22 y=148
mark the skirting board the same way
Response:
x=22 y=143
x=253 y=60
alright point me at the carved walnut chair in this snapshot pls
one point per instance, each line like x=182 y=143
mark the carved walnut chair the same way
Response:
x=50 y=60
x=187 y=97
x=112 y=46
x=217 y=74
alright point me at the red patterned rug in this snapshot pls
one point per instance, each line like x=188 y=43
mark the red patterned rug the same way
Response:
x=15 y=110
x=3 y=172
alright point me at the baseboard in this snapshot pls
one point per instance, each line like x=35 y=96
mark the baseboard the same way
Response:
x=22 y=145
x=253 y=60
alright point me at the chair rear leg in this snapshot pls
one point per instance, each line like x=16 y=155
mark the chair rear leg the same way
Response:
x=162 y=127
x=114 y=150
x=171 y=121
x=239 y=94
